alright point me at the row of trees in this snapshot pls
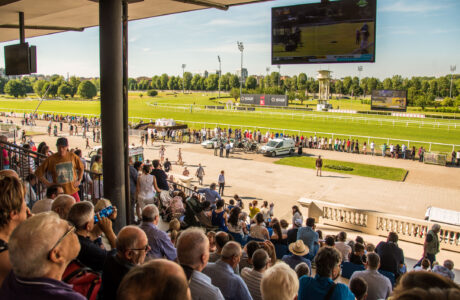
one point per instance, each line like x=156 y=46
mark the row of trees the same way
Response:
x=55 y=86
x=422 y=91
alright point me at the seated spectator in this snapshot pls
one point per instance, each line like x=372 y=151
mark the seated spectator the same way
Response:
x=160 y=175
x=425 y=286
x=425 y=265
x=309 y=237
x=210 y=194
x=284 y=226
x=446 y=269
x=327 y=262
x=223 y=276
x=278 y=237
x=219 y=216
x=193 y=255
x=132 y=246
x=235 y=225
x=97 y=235
x=391 y=256
x=81 y=215
x=359 y=288
x=258 y=230
x=253 y=209
x=44 y=204
x=30 y=185
x=357 y=256
x=329 y=241
x=231 y=205
x=359 y=239
x=341 y=245
x=248 y=251
x=169 y=278
x=369 y=247
x=159 y=241
x=298 y=252
x=211 y=235
x=173 y=231
x=378 y=286
x=40 y=250
x=252 y=277
x=292 y=233
x=13 y=212
x=62 y=205
x=238 y=201
x=222 y=238
x=302 y=269
x=279 y=283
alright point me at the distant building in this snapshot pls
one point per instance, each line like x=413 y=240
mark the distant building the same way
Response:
x=245 y=73
x=205 y=74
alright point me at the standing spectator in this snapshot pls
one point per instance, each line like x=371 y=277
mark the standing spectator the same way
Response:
x=379 y=286
x=179 y=157
x=162 y=152
x=253 y=277
x=298 y=252
x=384 y=149
x=96 y=169
x=253 y=209
x=5 y=159
x=267 y=211
x=403 y=150
x=431 y=245
x=65 y=168
x=159 y=241
x=169 y=278
x=372 y=148
x=221 y=181
x=279 y=283
x=458 y=157
x=133 y=177
x=412 y=153
x=319 y=165
x=228 y=147
x=421 y=153
x=342 y=246
x=36 y=274
x=145 y=189
x=193 y=255
x=322 y=286
x=132 y=246
x=167 y=165
x=221 y=149
x=200 y=174
x=391 y=256
x=223 y=276
x=309 y=237
x=446 y=269
x=296 y=215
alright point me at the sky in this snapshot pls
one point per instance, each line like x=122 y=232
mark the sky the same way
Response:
x=414 y=38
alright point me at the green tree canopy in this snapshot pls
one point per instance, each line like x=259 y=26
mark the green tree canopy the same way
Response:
x=87 y=90
x=15 y=88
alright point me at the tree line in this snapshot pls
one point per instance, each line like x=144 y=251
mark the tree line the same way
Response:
x=421 y=91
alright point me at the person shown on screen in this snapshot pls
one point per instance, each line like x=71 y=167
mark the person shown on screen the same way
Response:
x=365 y=37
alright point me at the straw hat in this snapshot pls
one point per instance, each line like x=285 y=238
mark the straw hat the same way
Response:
x=298 y=248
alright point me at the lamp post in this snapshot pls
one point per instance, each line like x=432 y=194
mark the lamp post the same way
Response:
x=220 y=73
x=279 y=75
x=452 y=70
x=360 y=69
x=183 y=79
x=241 y=48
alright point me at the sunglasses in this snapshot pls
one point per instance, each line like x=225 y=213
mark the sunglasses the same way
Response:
x=69 y=231
x=145 y=248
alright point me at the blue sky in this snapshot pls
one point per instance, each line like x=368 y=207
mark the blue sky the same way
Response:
x=414 y=38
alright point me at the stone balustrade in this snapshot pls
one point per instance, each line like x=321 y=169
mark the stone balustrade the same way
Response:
x=377 y=223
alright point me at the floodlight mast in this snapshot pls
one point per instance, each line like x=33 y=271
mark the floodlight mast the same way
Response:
x=452 y=70
x=183 y=79
x=220 y=73
x=241 y=48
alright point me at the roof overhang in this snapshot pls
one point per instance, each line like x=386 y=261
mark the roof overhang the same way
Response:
x=42 y=17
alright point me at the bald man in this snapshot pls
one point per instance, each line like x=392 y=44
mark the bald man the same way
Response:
x=132 y=246
x=168 y=278
x=62 y=204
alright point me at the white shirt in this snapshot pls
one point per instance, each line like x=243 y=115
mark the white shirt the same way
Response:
x=372 y=145
x=344 y=249
x=146 y=190
x=378 y=286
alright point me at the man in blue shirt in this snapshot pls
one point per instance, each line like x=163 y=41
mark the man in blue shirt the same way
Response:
x=210 y=194
x=309 y=237
x=298 y=251
x=223 y=276
x=327 y=262
x=159 y=241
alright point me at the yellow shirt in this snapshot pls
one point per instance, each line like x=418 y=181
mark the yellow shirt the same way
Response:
x=253 y=211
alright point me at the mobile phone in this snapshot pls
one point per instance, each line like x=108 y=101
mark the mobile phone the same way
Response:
x=103 y=213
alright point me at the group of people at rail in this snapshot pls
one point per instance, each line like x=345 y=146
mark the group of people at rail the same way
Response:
x=213 y=249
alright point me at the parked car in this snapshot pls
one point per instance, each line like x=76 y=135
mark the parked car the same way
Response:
x=209 y=144
x=279 y=146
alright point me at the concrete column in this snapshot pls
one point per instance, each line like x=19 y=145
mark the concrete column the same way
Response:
x=114 y=170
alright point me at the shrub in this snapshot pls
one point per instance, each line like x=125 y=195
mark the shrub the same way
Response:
x=339 y=167
x=152 y=93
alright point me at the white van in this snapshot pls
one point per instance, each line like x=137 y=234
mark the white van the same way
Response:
x=279 y=147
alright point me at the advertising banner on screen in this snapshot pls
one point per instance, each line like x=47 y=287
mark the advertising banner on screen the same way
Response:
x=389 y=100
x=264 y=100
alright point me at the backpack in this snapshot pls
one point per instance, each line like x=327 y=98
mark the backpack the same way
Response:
x=83 y=280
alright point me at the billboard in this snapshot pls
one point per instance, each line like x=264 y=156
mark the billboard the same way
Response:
x=340 y=31
x=389 y=100
x=264 y=99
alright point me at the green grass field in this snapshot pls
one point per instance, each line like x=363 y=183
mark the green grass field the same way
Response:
x=340 y=39
x=387 y=173
x=177 y=106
